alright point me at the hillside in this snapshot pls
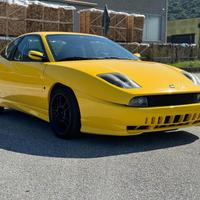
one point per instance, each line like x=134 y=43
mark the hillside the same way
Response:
x=183 y=9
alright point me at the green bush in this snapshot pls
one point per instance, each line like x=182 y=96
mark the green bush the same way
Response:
x=194 y=63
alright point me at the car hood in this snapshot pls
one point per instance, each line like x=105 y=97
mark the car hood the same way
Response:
x=152 y=77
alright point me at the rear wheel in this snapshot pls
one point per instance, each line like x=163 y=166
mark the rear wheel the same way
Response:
x=64 y=113
x=1 y=109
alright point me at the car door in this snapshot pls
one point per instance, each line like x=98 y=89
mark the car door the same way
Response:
x=27 y=82
x=7 y=71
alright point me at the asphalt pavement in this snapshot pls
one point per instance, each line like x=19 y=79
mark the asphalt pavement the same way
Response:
x=34 y=164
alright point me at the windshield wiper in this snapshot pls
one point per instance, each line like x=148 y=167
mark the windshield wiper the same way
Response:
x=98 y=58
x=118 y=58
x=76 y=58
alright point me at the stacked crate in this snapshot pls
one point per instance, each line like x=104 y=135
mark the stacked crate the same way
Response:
x=43 y=18
x=12 y=19
x=2 y=18
x=3 y=43
x=136 y=26
x=18 y=19
x=165 y=53
x=123 y=27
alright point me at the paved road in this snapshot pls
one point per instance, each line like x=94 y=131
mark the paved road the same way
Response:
x=36 y=165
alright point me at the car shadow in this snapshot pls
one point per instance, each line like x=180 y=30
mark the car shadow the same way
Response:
x=25 y=134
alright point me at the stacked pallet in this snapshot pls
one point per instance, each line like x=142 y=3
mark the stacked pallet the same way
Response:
x=123 y=26
x=18 y=19
x=136 y=28
x=3 y=43
x=162 y=53
x=165 y=53
x=170 y=53
x=12 y=19
x=135 y=47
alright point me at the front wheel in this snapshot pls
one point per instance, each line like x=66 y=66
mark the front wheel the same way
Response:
x=64 y=113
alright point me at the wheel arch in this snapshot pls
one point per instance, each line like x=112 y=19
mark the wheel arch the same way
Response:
x=60 y=85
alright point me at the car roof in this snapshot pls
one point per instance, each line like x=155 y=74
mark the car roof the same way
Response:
x=59 y=33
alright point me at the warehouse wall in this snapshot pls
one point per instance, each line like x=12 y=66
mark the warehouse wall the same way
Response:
x=157 y=8
x=185 y=26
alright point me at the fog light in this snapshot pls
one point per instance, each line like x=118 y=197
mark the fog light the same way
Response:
x=139 y=102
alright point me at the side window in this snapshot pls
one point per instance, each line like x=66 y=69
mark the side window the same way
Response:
x=8 y=52
x=29 y=43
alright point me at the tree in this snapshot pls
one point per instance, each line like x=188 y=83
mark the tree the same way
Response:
x=183 y=9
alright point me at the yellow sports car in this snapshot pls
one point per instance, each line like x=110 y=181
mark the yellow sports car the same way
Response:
x=86 y=83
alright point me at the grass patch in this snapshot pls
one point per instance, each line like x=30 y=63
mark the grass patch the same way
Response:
x=193 y=63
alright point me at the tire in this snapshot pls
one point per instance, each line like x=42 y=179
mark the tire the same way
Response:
x=1 y=109
x=64 y=113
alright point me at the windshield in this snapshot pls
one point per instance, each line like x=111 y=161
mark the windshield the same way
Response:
x=81 y=47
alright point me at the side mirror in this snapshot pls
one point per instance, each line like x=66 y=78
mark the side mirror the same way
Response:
x=36 y=55
x=137 y=55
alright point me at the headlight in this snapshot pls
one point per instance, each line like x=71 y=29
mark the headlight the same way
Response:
x=138 y=102
x=119 y=80
x=192 y=77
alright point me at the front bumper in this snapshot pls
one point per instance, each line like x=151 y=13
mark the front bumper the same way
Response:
x=113 y=119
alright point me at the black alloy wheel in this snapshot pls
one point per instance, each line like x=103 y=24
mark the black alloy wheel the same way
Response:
x=64 y=113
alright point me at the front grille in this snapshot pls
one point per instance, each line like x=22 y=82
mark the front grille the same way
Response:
x=167 y=122
x=173 y=99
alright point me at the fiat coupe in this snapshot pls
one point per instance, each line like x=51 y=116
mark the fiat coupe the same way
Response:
x=87 y=83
